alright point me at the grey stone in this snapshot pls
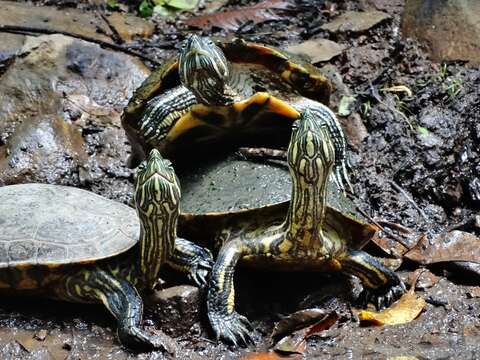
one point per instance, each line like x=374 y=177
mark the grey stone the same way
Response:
x=450 y=29
x=176 y=310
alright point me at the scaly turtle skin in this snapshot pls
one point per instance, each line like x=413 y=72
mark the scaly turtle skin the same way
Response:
x=315 y=231
x=236 y=93
x=74 y=245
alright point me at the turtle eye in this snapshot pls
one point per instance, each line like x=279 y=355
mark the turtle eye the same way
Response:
x=295 y=126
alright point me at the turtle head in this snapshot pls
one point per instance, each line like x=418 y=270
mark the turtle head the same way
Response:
x=157 y=189
x=157 y=198
x=203 y=69
x=311 y=152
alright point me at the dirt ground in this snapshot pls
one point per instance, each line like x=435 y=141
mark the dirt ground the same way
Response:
x=414 y=161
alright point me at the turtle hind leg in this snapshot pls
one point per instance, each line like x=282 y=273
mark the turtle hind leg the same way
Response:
x=192 y=259
x=381 y=286
x=121 y=299
x=226 y=323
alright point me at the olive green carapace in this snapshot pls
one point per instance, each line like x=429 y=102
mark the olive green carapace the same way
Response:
x=318 y=230
x=70 y=244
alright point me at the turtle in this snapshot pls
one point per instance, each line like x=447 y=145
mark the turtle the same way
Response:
x=231 y=93
x=70 y=244
x=319 y=229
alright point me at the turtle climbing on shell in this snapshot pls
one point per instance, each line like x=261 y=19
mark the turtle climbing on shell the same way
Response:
x=234 y=93
x=74 y=245
x=318 y=230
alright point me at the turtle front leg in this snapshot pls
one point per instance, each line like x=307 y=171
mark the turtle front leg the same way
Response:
x=226 y=323
x=192 y=259
x=121 y=299
x=381 y=286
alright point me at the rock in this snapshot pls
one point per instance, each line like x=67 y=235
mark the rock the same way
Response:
x=43 y=148
x=425 y=280
x=130 y=27
x=429 y=140
x=47 y=17
x=10 y=44
x=355 y=21
x=317 y=50
x=60 y=98
x=176 y=309
x=450 y=29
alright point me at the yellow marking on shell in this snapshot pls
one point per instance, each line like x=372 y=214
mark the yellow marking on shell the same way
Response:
x=272 y=103
x=185 y=123
x=286 y=75
x=335 y=265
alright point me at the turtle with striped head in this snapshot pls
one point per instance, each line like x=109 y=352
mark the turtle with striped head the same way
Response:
x=230 y=93
x=317 y=230
x=71 y=244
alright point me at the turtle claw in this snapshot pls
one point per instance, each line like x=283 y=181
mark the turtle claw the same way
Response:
x=233 y=329
x=382 y=298
x=201 y=266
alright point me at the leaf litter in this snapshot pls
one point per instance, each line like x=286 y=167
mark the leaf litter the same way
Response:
x=234 y=19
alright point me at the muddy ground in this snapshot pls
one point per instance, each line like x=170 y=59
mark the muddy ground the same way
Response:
x=414 y=161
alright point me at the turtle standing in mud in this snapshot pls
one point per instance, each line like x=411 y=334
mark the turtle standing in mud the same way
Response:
x=234 y=93
x=74 y=245
x=314 y=231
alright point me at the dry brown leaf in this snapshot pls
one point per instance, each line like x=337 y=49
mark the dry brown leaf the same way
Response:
x=271 y=355
x=403 y=311
x=295 y=343
x=447 y=247
x=317 y=50
x=298 y=320
x=233 y=19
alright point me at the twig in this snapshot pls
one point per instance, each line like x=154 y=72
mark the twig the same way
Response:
x=398 y=227
x=115 y=35
x=409 y=199
x=26 y=30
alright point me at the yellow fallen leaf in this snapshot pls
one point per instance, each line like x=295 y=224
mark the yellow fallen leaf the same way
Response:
x=406 y=309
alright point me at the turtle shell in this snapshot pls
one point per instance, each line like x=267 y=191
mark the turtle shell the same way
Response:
x=343 y=221
x=58 y=225
x=302 y=76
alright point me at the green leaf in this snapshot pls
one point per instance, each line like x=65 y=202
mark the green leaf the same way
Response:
x=163 y=10
x=183 y=4
x=345 y=105
x=159 y=2
x=112 y=4
x=422 y=131
x=145 y=9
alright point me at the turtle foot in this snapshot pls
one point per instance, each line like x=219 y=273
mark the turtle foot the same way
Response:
x=383 y=297
x=140 y=339
x=233 y=328
x=201 y=266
